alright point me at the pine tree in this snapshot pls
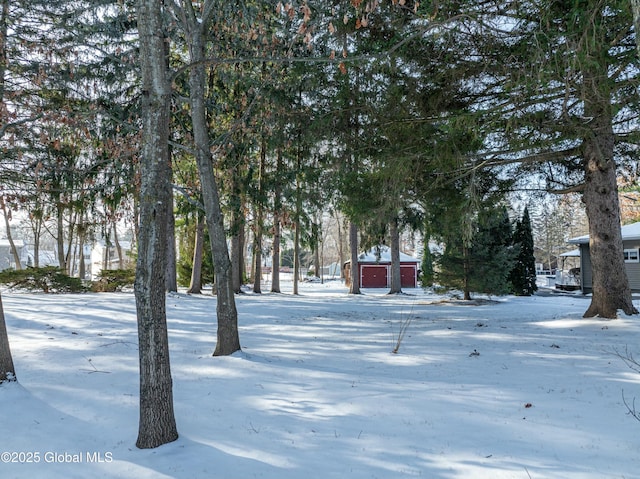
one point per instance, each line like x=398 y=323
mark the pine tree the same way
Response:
x=492 y=254
x=523 y=275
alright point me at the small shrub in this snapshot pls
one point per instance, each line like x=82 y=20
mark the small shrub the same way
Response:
x=49 y=279
x=110 y=280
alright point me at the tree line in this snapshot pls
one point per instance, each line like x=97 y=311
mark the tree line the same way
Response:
x=233 y=115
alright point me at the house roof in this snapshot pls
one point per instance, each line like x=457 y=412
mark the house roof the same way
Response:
x=18 y=242
x=629 y=232
x=385 y=256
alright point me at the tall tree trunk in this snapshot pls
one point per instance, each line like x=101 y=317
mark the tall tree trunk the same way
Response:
x=118 y=247
x=297 y=226
x=257 y=252
x=106 y=253
x=277 y=211
x=236 y=254
x=316 y=250
x=228 y=337
x=172 y=267
x=7 y=370
x=635 y=5
x=611 y=290
x=37 y=234
x=340 y=246
x=242 y=264
x=62 y=259
x=82 y=267
x=396 y=283
x=195 y=285
x=259 y=226
x=12 y=245
x=354 y=288
x=466 y=266
x=296 y=257
x=157 y=421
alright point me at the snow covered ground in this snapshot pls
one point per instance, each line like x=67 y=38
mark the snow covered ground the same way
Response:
x=503 y=388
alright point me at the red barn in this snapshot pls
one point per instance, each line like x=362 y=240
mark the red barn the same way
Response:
x=374 y=268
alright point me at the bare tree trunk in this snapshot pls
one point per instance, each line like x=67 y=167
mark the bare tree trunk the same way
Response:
x=259 y=226
x=296 y=257
x=242 y=242
x=73 y=219
x=236 y=256
x=228 y=337
x=157 y=421
x=466 y=272
x=12 y=245
x=297 y=226
x=257 y=254
x=195 y=285
x=277 y=206
x=172 y=267
x=7 y=370
x=62 y=263
x=396 y=283
x=82 y=267
x=354 y=288
x=37 y=233
x=340 y=246
x=317 y=240
x=106 y=254
x=118 y=247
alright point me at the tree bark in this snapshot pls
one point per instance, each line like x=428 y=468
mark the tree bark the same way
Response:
x=157 y=421
x=259 y=221
x=236 y=252
x=172 y=267
x=354 y=288
x=7 y=370
x=227 y=334
x=396 y=283
x=62 y=259
x=14 y=250
x=611 y=290
x=297 y=226
x=82 y=233
x=635 y=5
x=466 y=267
x=195 y=285
x=277 y=212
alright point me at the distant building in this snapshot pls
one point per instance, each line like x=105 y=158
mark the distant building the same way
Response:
x=631 y=246
x=374 y=268
x=7 y=260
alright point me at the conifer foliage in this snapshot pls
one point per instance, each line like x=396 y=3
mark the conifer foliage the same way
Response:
x=523 y=274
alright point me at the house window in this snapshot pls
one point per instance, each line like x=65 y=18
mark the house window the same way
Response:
x=631 y=256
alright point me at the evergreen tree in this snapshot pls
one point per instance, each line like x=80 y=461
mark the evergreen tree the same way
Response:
x=523 y=274
x=492 y=253
x=426 y=268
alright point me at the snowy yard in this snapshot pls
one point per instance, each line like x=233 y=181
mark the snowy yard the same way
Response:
x=520 y=388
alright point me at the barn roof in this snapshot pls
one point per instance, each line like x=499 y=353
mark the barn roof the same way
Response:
x=385 y=256
x=629 y=232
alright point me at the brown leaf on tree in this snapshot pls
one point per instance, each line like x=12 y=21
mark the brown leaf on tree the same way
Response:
x=343 y=68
